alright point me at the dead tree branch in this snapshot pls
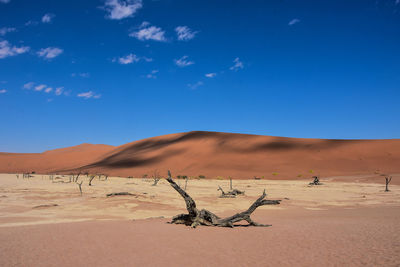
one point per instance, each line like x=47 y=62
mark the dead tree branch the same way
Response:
x=119 y=194
x=91 y=179
x=197 y=217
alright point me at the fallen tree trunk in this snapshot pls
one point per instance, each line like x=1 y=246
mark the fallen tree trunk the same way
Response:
x=197 y=217
x=119 y=194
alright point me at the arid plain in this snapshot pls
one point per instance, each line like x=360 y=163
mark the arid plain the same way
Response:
x=45 y=222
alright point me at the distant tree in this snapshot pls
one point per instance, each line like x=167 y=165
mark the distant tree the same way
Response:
x=388 y=179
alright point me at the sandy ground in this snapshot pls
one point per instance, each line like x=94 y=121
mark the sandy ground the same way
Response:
x=353 y=224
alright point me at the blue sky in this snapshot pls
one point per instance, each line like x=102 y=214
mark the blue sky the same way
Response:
x=113 y=71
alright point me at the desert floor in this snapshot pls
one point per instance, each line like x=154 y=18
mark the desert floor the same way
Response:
x=48 y=223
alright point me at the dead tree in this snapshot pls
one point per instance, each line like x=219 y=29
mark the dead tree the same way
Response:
x=197 y=217
x=17 y=176
x=75 y=178
x=91 y=179
x=225 y=195
x=156 y=178
x=232 y=193
x=388 y=180
x=80 y=186
x=316 y=181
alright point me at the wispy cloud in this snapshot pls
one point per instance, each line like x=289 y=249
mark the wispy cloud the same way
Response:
x=40 y=87
x=147 y=32
x=184 y=33
x=82 y=74
x=46 y=89
x=7 y=50
x=28 y=85
x=59 y=90
x=50 y=52
x=128 y=59
x=47 y=18
x=147 y=59
x=120 y=9
x=152 y=74
x=210 y=75
x=3 y=91
x=89 y=94
x=4 y=1
x=183 y=62
x=238 y=65
x=5 y=30
x=293 y=22
x=196 y=85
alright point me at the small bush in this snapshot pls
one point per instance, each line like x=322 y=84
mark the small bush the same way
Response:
x=145 y=176
x=299 y=175
x=202 y=177
x=220 y=177
x=311 y=171
x=275 y=173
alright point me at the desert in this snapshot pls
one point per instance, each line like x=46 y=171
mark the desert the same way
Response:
x=346 y=220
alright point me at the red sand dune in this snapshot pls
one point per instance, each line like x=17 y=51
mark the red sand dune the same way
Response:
x=216 y=154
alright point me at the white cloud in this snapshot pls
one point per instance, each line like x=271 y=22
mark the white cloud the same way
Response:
x=50 y=52
x=194 y=86
x=40 y=87
x=48 y=90
x=238 y=64
x=4 y=1
x=147 y=32
x=3 y=91
x=152 y=75
x=59 y=90
x=128 y=59
x=28 y=85
x=120 y=9
x=6 y=50
x=47 y=18
x=183 y=62
x=210 y=75
x=89 y=94
x=293 y=22
x=5 y=30
x=184 y=33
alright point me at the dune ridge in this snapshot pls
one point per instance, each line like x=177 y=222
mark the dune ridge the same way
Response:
x=217 y=155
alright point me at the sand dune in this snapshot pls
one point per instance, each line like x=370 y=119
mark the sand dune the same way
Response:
x=215 y=154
